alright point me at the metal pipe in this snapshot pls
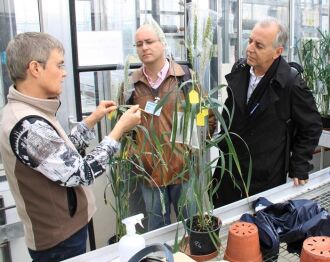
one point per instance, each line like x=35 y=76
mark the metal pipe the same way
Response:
x=239 y=28
x=291 y=30
x=4 y=247
x=75 y=61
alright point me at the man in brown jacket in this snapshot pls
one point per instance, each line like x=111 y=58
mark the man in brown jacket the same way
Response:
x=159 y=77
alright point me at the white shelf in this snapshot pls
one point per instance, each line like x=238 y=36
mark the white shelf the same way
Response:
x=323 y=143
x=325 y=139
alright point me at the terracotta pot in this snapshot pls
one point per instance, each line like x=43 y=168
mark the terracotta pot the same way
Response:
x=316 y=249
x=243 y=243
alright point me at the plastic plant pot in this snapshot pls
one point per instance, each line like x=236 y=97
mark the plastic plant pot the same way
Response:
x=203 y=243
x=316 y=249
x=243 y=243
x=200 y=258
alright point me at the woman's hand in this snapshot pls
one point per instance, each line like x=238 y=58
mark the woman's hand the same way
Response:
x=127 y=121
x=105 y=107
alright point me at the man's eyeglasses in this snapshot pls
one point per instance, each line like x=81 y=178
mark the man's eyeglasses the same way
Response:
x=148 y=42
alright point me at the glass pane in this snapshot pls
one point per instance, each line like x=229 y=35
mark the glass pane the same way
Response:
x=310 y=17
x=27 y=16
x=88 y=92
x=16 y=16
x=106 y=28
x=106 y=31
x=172 y=23
x=83 y=16
x=252 y=11
x=228 y=36
x=311 y=40
x=96 y=86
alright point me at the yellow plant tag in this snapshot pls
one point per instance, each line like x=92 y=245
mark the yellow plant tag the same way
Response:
x=200 y=119
x=112 y=114
x=205 y=111
x=125 y=155
x=193 y=97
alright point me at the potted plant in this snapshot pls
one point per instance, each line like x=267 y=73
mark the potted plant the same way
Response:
x=307 y=58
x=119 y=176
x=125 y=168
x=190 y=127
x=121 y=184
x=202 y=227
x=323 y=67
x=314 y=56
x=122 y=175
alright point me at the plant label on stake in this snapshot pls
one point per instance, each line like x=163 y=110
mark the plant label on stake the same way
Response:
x=190 y=138
x=205 y=111
x=200 y=119
x=111 y=115
x=193 y=97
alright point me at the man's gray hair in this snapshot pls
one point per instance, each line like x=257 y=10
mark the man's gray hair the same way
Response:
x=282 y=35
x=27 y=47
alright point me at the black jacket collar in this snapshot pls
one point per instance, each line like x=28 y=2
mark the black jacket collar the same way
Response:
x=238 y=81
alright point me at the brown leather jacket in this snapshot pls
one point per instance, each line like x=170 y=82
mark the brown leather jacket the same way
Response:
x=164 y=170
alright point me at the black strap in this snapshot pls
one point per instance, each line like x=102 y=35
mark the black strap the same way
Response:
x=151 y=249
x=286 y=107
x=296 y=66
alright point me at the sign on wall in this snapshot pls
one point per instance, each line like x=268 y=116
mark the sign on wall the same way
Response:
x=100 y=48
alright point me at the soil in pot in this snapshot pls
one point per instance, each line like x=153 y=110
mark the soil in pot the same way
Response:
x=316 y=249
x=203 y=235
x=243 y=243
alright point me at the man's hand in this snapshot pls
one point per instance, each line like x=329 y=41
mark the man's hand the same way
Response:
x=299 y=182
x=105 y=107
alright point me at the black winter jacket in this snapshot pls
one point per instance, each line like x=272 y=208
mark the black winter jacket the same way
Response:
x=286 y=101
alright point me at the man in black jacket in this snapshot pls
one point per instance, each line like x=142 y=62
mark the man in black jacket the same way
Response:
x=274 y=112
